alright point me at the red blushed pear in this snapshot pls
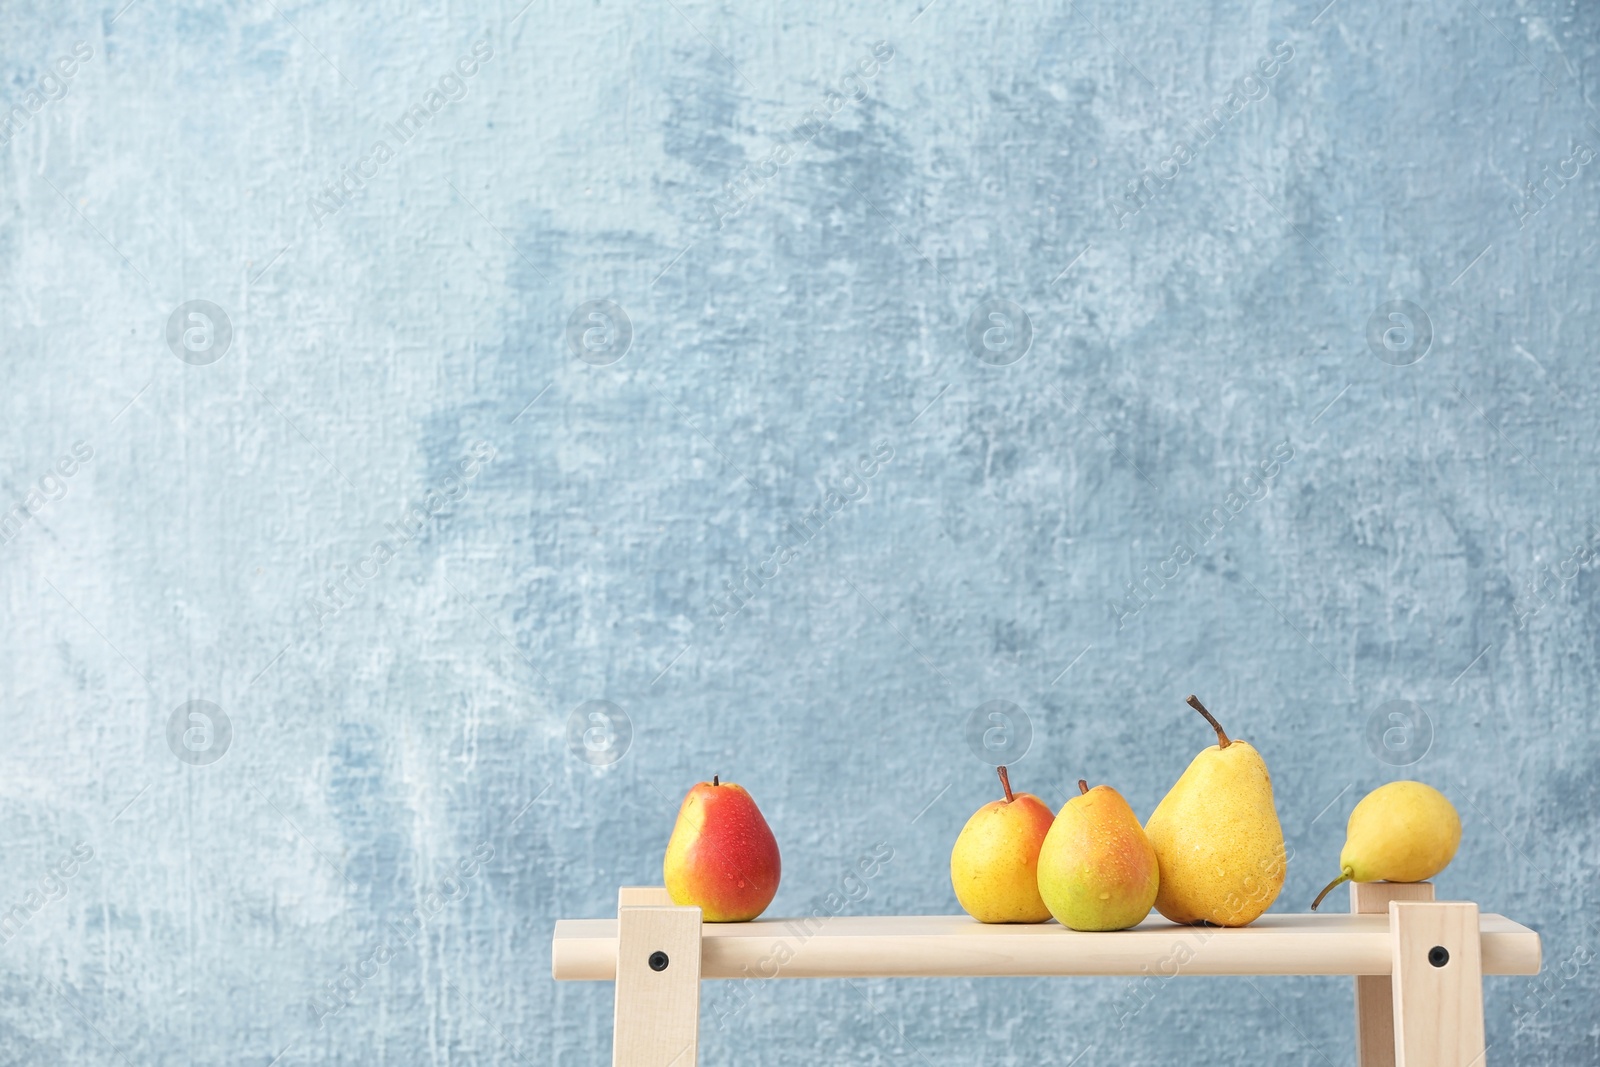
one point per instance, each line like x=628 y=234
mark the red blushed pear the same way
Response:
x=1097 y=870
x=722 y=856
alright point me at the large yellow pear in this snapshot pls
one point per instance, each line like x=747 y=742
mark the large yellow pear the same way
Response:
x=1217 y=837
x=994 y=865
x=1400 y=832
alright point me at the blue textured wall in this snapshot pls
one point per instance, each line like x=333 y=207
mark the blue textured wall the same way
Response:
x=407 y=491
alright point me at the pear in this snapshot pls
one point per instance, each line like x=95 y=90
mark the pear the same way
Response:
x=1217 y=837
x=1400 y=832
x=722 y=855
x=994 y=864
x=1097 y=870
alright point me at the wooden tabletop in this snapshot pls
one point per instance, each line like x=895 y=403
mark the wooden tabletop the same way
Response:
x=892 y=946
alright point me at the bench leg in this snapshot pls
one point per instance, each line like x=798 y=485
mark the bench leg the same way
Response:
x=1374 y=995
x=1438 y=984
x=657 y=1020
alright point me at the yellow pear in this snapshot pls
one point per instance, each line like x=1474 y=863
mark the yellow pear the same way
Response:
x=1217 y=837
x=1400 y=832
x=994 y=864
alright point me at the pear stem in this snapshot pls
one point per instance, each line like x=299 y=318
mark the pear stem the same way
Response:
x=715 y=780
x=1083 y=787
x=1222 y=738
x=1005 y=783
x=1345 y=877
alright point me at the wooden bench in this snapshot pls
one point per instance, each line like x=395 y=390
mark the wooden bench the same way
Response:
x=1418 y=963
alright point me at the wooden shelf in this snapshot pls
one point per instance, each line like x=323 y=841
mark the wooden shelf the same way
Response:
x=929 y=946
x=1418 y=963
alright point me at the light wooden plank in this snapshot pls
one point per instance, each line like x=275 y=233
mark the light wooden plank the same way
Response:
x=1374 y=994
x=954 y=945
x=644 y=896
x=1438 y=1009
x=657 y=1017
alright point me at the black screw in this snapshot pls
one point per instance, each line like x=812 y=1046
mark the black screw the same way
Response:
x=658 y=961
x=1438 y=955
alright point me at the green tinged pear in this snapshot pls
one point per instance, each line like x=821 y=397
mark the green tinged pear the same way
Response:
x=1097 y=870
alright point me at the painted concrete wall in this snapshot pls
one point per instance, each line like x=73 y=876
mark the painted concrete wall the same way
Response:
x=385 y=386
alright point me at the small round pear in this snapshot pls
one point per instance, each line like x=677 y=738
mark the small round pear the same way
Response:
x=1400 y=832
x=995 y=862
